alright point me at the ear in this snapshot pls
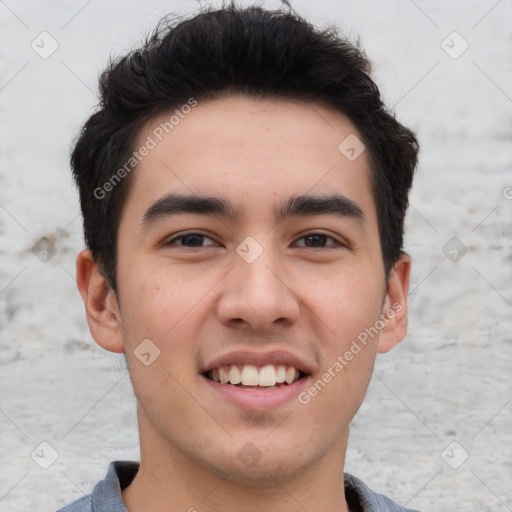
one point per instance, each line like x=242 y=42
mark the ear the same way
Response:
x=394 y=309
x=101 y=305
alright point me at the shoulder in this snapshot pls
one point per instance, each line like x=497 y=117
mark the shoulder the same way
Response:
x=361 y=498
x=82 y=505
x=106 y=495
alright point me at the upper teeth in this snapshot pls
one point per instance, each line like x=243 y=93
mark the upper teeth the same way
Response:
x=249 y=375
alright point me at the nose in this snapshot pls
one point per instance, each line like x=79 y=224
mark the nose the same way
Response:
x=257 y=295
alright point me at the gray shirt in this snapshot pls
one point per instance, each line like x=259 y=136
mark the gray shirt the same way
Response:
x=106 y=495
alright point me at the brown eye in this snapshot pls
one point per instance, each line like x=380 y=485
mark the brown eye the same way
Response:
x=318 y=240
x=191 y=240
x=315 y=240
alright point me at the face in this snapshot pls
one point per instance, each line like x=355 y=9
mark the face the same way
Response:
x=249 y=250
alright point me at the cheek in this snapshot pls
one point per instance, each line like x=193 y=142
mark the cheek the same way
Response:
x=337 y=391
x=160 y=316
x=168 y=309
x=346 y=305
x=158 y=302
x=345 y=302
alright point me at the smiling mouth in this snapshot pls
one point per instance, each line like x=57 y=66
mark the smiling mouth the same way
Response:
x=254 y=377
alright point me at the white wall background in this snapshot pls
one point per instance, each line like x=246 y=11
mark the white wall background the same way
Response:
x=448 y=381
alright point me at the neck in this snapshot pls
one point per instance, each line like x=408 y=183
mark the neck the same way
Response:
x=168 y=481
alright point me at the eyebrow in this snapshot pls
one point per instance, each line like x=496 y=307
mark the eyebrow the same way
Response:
x=173 y=204
x=321 y=205
x=306 y=205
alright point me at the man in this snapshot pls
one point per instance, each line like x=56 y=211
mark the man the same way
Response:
x=243 y=190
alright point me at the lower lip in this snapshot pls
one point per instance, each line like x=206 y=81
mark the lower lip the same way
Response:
x=256 y=400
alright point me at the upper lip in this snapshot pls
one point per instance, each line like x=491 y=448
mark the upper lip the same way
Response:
x=273 y=357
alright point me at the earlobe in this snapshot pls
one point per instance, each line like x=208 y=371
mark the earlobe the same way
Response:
x=395 y=305
x=101 y=305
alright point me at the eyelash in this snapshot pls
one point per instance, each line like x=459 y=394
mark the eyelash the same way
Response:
x=311 y=234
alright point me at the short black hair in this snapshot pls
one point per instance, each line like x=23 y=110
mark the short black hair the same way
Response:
x=247 y=51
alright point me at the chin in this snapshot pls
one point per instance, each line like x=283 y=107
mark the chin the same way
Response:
x=255 y=468
x=268 y=473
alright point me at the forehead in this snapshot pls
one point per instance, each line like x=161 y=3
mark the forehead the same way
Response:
x=255 y=151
